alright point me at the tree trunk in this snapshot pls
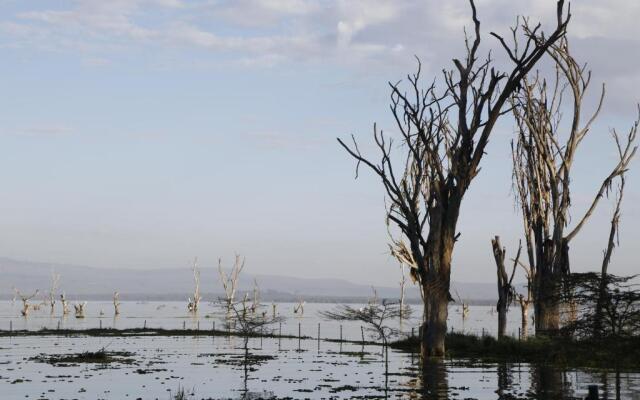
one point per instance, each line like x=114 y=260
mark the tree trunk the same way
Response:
x=435 y=327
x=502 y=320
x=547 y=313
x=524 y=310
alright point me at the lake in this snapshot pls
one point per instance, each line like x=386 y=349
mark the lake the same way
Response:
x=156 y=367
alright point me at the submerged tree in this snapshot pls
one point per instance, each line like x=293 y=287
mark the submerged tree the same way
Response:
x=543 y=156
x=55 y=280
x=65 y=304
x=116 y=303
x=79 y=308
x=194 y=303
x=506 y=292
x=26 y=306
x=230 y=282
x=444 y=135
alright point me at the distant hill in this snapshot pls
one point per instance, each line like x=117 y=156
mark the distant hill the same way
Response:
x=177 y=283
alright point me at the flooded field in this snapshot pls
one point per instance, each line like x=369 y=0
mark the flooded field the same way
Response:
x=157 y=367
x=174 y=315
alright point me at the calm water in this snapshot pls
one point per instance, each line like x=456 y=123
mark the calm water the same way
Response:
x=174 y=315
x=215 y=367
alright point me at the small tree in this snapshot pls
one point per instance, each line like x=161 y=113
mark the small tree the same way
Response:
x=230 y=282
x=79 y=308
x=194 y=303
x=376 y=316
x=65 y=304
x=116 y=303
x=506 y=293
x=26 y=306
x=55 y=280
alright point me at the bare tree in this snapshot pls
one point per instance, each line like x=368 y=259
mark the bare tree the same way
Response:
x=55 y=280
x=79 y=308
x=65 y=304
x=299 y=307
x=26 y=306
x=403 y=282
x=611 y=244
x=256 y=297
x=116 y=303
x=444 y=136
x=230 y=282
x=194 y=303
x=525 y=301
x=376 y=316
x=543 y=156
x=506 y=293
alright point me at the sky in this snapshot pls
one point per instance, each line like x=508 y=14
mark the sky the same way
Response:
x=142 y=133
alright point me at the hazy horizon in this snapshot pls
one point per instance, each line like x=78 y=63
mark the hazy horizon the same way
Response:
x=139 y=134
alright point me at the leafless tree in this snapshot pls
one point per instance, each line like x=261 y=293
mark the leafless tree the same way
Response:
x=65 y=304
x=230 y=282
x=543 y=156
x=26 y=306
x=79 y=308
x=299 y=307
x=403 y=282
x=611 y=244
x=194 y=303
x=525 y=301
x=256 y=297
x=375 y=315
x=444 y=135
x=55 y=280
x=116 y=303
x=506 y=292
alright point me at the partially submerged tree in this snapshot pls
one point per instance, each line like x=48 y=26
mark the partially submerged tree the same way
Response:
x=299 y=307
x=506 y=292
x=26 y=306
x=116 y=303
x=230 y=281
x=55 y=280
x=65 y=304
x=444 y=135
x=79 y=308
x=194 y=303
x=543 y=156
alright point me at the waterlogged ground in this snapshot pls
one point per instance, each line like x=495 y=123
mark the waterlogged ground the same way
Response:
x=155 y=367
x=174 y=315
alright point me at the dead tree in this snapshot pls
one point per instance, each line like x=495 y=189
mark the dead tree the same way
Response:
x=443 y=135
x=194 y=303
x=26 y=306
x=403 y=282
x=79 y=308
x=525 y=301
x=611 y=243
x=506 y=293
x=65 y=304
x=55 y=280
x=116 y=303
x=299 y=307
x=256 y=297
x=543 y=156
x=230 y=282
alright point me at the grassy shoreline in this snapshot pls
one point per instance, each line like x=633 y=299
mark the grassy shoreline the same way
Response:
x=609 y=353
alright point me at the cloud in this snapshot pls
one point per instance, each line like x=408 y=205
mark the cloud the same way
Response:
x=49 y=130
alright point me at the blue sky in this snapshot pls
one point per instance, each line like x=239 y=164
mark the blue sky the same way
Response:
x=142 y=133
